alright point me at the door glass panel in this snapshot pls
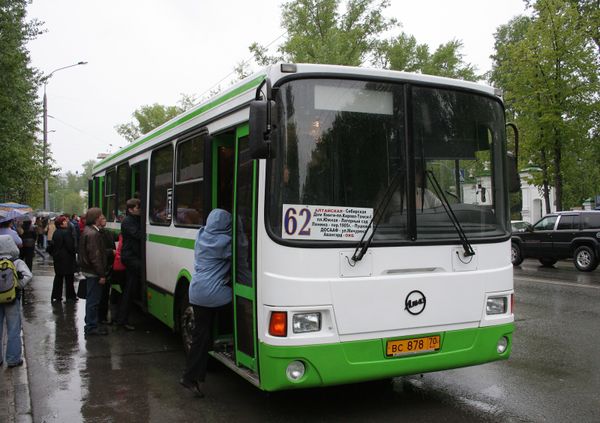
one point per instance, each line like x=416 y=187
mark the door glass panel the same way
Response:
x=546 y=224
x=244 y=214
x=566 y=222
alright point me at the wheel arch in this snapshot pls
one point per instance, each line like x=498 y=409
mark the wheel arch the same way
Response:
x=184 y=278
x=589 y=242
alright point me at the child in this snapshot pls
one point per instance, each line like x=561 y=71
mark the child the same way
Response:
x=12 y=311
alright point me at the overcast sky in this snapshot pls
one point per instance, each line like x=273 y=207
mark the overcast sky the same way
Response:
x=150 y=51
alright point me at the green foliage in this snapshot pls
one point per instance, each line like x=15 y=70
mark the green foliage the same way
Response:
x=65 y=190
x=148 y=117
x=548 y=67
x=318 y=32
x=404 y=53
x=22 y=171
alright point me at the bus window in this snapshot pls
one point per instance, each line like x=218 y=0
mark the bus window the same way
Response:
x=96 y=194
x=122 y=191
x=109 y=195
x=161 y=186
x=189 y=183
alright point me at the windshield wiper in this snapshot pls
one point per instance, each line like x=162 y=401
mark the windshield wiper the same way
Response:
x=363 y=245
x=461 y=233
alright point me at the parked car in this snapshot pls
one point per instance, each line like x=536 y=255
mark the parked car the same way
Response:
x=562 y=235
x=518 y=226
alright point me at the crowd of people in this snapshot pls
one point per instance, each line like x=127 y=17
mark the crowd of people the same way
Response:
x=86 y=248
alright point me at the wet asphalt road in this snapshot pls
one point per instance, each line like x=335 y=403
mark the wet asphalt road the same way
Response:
x=553 y=374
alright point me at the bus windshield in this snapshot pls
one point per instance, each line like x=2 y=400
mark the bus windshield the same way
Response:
x=341 y=144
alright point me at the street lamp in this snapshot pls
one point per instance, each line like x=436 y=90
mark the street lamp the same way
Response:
x=45 y=105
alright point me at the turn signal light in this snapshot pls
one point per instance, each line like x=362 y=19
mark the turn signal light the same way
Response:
x=278 y=323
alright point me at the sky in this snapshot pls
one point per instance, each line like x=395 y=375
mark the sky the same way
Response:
x=151 y=51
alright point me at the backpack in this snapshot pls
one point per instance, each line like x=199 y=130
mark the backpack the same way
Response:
x=118 y=265
x=8 y=281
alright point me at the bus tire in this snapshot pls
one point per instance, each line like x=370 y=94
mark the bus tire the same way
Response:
x=548 y=261
x=515 y=254
x=186 y=321
x=585 y=259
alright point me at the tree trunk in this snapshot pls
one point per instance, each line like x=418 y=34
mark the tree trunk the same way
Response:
x=558 y=182
x=545 y=184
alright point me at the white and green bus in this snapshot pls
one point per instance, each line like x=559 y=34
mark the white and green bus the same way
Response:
x=371 y=234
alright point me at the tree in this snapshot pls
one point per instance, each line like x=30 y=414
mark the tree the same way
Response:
x=318 y=32
x=148 y=117
x=548 y=67
x=21 y=177
x=404 y=53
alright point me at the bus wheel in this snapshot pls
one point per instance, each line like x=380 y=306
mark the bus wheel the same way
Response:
x=515 y=254
x=548 y=261
x=585 y=259
x=186 y=322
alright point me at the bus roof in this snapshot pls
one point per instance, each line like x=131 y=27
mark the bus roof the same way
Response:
x=275 y=72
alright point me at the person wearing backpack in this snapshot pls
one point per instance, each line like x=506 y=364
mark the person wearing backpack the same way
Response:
x=14 y=276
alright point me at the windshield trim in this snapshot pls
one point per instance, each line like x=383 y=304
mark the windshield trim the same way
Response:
x=410 y=241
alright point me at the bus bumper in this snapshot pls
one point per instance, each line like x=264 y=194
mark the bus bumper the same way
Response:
x=357 y=361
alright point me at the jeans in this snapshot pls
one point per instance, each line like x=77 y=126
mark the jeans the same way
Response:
x=94 y=293
x=133 y=267
x=12 y=314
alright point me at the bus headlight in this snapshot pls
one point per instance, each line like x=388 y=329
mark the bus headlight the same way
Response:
x=496 y=305
x=295 y=370
x=306 y=322
x=502 y=345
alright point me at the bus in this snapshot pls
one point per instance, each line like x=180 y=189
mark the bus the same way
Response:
x=371 y=231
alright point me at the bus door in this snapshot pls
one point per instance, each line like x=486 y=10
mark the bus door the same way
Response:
x=139 y=189
x=244 y=255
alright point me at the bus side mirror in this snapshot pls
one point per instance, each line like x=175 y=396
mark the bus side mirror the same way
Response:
x=262 y=133
x=514 y=180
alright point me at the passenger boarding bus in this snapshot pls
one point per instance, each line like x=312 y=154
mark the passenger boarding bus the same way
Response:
x=371 y=232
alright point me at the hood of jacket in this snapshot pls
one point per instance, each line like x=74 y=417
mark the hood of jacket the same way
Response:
x=8 y=248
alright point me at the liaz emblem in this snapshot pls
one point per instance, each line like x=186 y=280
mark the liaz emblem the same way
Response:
x=415 y=302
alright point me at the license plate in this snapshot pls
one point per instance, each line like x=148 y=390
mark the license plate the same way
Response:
x=412 y=346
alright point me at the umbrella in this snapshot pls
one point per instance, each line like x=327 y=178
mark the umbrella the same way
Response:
x=23 y=208
x=15 y=214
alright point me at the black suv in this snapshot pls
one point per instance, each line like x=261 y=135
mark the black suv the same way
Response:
x=574 y=234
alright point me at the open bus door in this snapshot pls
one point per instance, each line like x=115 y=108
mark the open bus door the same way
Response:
x=244 y=255
x=139 y=189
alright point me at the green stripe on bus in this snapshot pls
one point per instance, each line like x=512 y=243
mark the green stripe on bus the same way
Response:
x=172 y=241
x=160 y=305
x=216 y=102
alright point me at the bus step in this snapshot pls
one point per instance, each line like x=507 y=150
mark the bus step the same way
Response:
x=228 y=359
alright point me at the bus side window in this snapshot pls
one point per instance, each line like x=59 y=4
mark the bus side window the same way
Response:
x=161 y=185
x=189 y=182
x=110 y=189
x=122 y=191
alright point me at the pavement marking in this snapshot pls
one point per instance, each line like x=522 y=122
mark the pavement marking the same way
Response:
x=576 y=285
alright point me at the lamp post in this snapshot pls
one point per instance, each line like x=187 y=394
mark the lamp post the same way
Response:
x=45 y=105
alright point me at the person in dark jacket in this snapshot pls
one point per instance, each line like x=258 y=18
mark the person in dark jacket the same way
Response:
x=109 y=244
x=64 y=261
x=29 y=237
x=131 y=256
x=92 y=256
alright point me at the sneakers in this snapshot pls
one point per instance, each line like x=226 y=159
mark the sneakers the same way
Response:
x=17 y=364
x=192 y=386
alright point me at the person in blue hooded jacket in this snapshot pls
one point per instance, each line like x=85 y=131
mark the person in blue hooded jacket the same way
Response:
x=209 y=293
